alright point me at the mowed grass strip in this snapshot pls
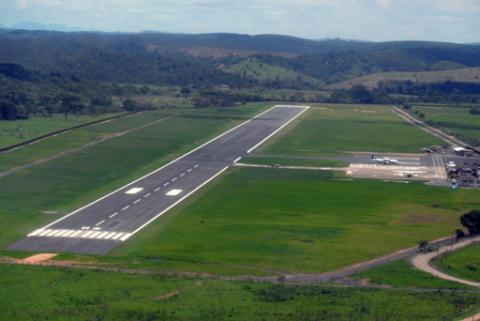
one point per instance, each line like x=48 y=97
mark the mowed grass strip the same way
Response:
x=333 y=129
x=297 y=221
x=16 y=131
x=76 y=138
x=42 y=293
x=464 y=263
x=455 y=120
x=77 y=179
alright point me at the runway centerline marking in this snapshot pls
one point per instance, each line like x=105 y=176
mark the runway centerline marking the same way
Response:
x=157 y=189
x=100 y=223
x=147 y=195
x=113 y=215
x=137 y=201
x=126 y=208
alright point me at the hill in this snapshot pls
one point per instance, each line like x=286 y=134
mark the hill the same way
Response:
x=466 y=75
x=264 y=72
x=193 y=60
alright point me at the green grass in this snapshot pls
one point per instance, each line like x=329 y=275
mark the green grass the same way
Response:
x=464 y=263
x=403 y=275
x=76 y=179
x=332 y=129
x=297 y=221
x=454 y=120
x=39 y=293
x=17 y=131
x=76 y=138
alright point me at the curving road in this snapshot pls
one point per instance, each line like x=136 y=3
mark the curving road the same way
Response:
x=422 y=261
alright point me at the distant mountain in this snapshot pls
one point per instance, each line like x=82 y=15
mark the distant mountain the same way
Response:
x=28 y=25
x=185 y=59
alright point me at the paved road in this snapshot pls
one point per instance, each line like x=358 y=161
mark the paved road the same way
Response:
x=114 y=218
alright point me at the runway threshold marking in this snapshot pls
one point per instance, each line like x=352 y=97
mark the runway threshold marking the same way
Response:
x=80 y=234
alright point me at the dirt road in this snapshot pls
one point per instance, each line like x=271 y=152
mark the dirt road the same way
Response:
x=422 y=261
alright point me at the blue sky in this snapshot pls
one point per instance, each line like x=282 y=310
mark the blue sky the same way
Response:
x=378 y=20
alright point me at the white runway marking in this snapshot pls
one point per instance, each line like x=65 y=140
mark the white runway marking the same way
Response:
x=157 y=189
x=126 y=208
x=137 y=201
x=85 y=227
x=134 y=190
x=166 y=184
x=81 y=234
x=174 y=192
x=183 y=174
x=76 y=233
x=110 y=235
x=113 y=215
x=96 y=228
x=35 y=232
x=174 y=179
x=147 y=195
x=196 y=166
x=87 y=234
x=117 y=236
x=189 y=170
x=100 y=223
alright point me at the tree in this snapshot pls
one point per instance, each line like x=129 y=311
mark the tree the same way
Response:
x=71 y=103
x=471 y=220
x=459 y=234
x=475 y=111
x=8 y=110
x=422 y=245
x=130 y=104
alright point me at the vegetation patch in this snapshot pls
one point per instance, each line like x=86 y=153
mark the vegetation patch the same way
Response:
x=294 y=220
x=39 y=293
x=463 y=263
x=341 y=128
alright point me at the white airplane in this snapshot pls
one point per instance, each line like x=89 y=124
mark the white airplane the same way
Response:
x=384 y=160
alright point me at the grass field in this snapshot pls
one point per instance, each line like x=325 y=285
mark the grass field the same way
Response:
x=38 y=293
x=463 y=263
x=17 y=131
x=77 y=138
x=332 y=129
x=455 y=120
x=75 y=179
x=297 y=221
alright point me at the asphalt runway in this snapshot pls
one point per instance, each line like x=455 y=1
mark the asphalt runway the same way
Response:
x=100 y=226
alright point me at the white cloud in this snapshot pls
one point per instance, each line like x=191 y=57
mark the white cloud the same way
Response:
x=445 y=20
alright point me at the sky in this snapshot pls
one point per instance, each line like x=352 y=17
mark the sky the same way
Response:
x=375 y=20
